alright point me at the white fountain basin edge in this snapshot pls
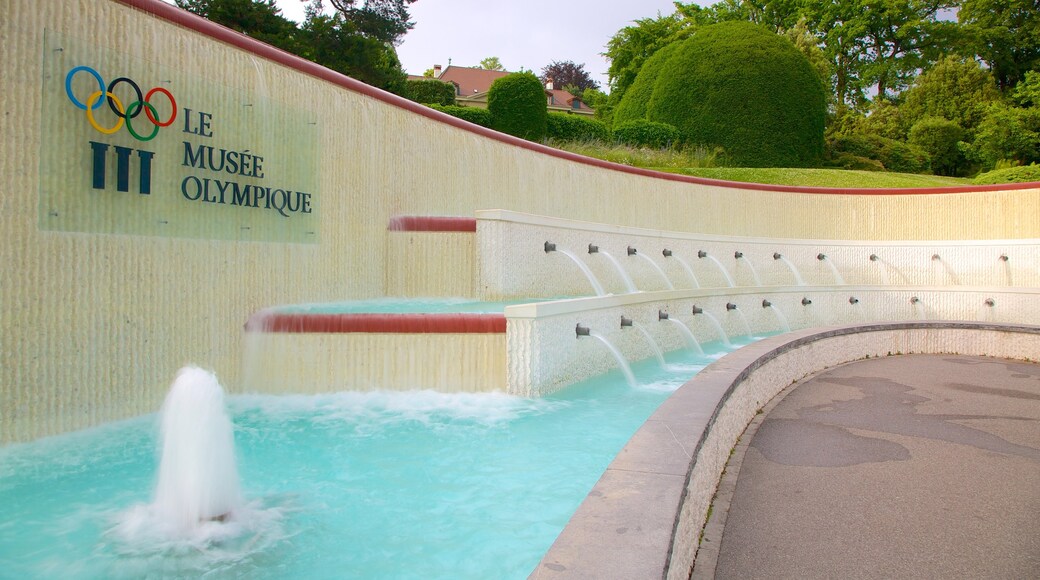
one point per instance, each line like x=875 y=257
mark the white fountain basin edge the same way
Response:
x=643 y=517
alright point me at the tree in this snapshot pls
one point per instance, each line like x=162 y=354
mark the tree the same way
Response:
x=566 y=73
x=384 y=20
x=260 y=19
x=518 y=106
x=492 y=63
x=333 y=42
x=1004 y=34
x=955 y=89
x=939 y=138
x=633 y=45
x=738 y=86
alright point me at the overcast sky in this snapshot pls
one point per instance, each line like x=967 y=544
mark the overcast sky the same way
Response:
x=521 y=33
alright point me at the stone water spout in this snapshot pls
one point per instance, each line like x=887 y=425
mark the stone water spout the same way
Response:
x=731 y=306
x=990 y=302
x=936 y=257
x=549 y=247
x=874 y=258
x=853 y=300
x=1003 y=258
x=625 y=322
x=777 y=255
x=580 y=330
x=806 y=302
x=593 y=249
x=766 y=304
x=697 y=310
x=666 y=253
x=738 y=255
x=632 y=251
x=821 y=257
x=702 y=254
x=914 y=300
x=662 y=315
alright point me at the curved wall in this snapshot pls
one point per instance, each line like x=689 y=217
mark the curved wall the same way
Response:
x=96 y=321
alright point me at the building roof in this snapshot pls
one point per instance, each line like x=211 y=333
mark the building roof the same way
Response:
x=470 y=80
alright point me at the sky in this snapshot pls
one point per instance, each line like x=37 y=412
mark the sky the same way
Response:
x=527 y=34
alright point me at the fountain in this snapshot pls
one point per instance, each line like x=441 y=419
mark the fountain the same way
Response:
x=633 y=252
x=779 y=315
x=198 y=477
x=754 y=274
x=689 y=271
x=715 y=323
x=797 y=275
x=731 y=307
x=985 y=312
x=630 y=378
x=1007 y=269
x=729 y=279
x=629 y=285
x=950 y=276
x=691 y=340
x=834 y=269
x=596 y=286
x=653 y=344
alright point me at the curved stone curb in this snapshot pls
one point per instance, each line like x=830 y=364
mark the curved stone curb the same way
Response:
x=644 y=516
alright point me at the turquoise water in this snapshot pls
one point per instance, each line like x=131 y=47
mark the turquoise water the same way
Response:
x=404 y=306
x=351 y=485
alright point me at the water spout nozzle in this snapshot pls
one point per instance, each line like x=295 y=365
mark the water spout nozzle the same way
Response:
x=698 y=310
x=550 y=247
x=806 y=302
x=1003 y=257
x=738 y=255
x=731 y=306
x=580 y=330
x=873 y=258
x=766 y=304
x=989 y=302
x=625 y=322
x=662 y=315
x=593 y=249
x=821 y=257
x=631 y=251
x=936 y=257
x=666 y=253
x=702 y=254
x=914 y=300
x=777 y=255
x=853 y=300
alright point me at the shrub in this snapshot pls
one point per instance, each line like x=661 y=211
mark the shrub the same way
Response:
x=939 y=138
x=472 y=114
x=567 y=127
x=430 y=91
x=633 y=105
x=741 y=87
x=518 y=106
x=642 y=133
x=855 y=162
x=955 y=89
x=893 y=155
x=1024 y=174
x=1008 y=133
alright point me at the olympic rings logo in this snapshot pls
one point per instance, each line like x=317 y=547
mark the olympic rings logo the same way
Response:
x=125 y=115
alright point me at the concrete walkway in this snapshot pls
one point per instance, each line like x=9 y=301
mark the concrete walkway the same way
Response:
x=924 y=466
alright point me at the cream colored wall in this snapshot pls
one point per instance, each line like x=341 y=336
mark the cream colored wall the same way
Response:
x=94 y=326
x=423 y=264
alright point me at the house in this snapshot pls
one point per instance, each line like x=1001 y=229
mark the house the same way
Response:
x=472 y=84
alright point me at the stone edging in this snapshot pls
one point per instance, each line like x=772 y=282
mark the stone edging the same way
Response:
x=644 y=516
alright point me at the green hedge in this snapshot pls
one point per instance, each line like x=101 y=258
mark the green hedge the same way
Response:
x=518 y=106
x=893 y=155
x=430 y=91
x=568 y=127
x=472 y=114
x=643 y=133
x=1023 y=174
x=739 y=86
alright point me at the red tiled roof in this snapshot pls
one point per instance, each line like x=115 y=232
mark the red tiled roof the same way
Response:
x=470 y=80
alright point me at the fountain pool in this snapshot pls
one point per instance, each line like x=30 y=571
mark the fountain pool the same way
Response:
x=345 y=485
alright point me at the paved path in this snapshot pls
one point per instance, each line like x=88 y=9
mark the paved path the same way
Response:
x=924 y=466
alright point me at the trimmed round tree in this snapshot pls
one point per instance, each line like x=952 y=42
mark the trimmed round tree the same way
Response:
x=738 y=86
x=518 y=106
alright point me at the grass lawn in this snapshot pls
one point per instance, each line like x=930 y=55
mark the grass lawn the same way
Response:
x=819 y=177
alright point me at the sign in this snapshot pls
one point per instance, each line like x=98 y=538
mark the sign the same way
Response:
x=132 y=147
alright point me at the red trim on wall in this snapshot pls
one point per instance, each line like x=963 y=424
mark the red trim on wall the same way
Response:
x=226 y=35
x=428 y=323
x=427 y=223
